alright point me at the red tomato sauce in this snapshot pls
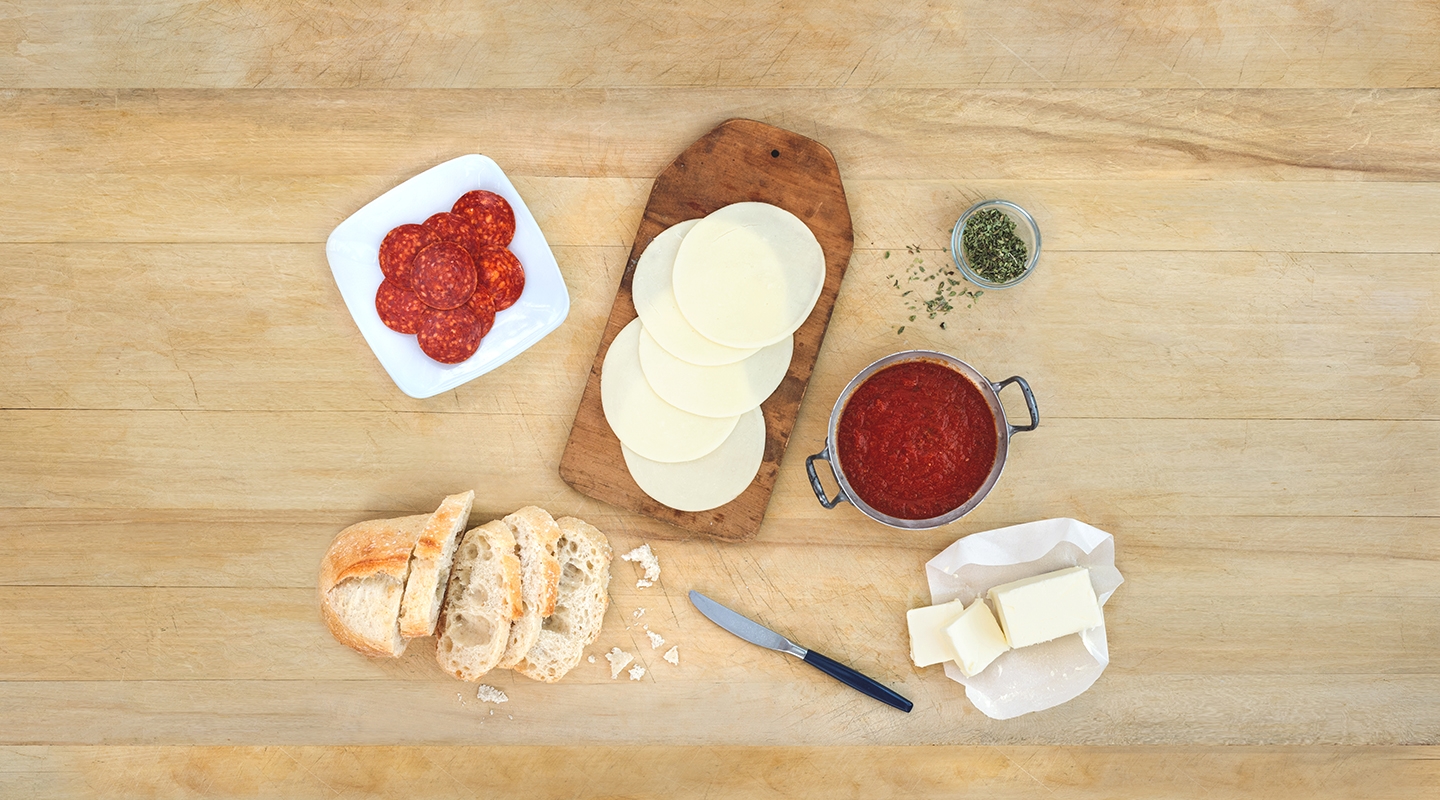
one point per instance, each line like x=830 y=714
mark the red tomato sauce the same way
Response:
x=916 y=440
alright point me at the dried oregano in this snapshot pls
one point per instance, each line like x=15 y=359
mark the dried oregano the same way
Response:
x=946 y=282
x=992 y=249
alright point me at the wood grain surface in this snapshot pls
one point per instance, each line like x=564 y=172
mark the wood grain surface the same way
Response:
x=1376 y=773
x=740 y=161
x=1232 y=332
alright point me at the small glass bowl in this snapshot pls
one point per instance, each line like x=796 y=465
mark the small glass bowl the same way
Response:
x=1025 y=228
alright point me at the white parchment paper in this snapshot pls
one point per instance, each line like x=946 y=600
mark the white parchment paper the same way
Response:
x=1044 y=675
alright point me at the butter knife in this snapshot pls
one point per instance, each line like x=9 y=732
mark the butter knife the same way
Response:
x=755 y=633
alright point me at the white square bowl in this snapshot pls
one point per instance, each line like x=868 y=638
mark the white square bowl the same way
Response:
x=353 y=250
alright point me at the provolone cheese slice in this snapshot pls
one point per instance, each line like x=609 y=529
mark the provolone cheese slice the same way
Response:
x=748 y=275
x=710 y=481
x=643 y=421
x=722 y=391
x=655 y=300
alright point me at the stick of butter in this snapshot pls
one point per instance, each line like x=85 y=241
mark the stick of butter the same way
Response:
x=1045 y=607
x=976 y=639
x=928 y=642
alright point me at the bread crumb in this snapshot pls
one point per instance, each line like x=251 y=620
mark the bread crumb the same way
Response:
x=490 y=694
x=619 y=659
x=637 y=672
x=673 y=655
x=644 y=558
x=655 y=639
x=508 y=716
x=591 y=659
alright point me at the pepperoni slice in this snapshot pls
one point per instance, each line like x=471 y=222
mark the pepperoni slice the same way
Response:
x=482 y=305
x=397 y=251
x=490 y=214
x=444 y=275
x=449 y=336
x=500 y=272
x=449 y=227
x=399 y=308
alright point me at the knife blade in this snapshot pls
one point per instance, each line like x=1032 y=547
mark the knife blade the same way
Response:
x=755 y=633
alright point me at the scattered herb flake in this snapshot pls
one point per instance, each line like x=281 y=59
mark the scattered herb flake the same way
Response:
x=944 y=279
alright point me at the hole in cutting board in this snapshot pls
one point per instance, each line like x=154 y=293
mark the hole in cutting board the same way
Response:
x=774 y=153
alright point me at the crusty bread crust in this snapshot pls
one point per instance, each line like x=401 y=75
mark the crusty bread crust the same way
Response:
x=584 y=554
x=430 y=565
x=375 y=548
x=370 y=566
x=536 y=537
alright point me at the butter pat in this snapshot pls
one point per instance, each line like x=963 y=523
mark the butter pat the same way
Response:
x=928 y=642
x=976 y=639
x=1045 y=607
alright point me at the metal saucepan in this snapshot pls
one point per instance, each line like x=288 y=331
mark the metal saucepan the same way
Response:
x=1003 y=432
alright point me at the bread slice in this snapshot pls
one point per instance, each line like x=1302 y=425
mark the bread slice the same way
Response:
x=580 y=610
x=362 y=581
x=483 y=597
x=430 y=565
x=536 y=535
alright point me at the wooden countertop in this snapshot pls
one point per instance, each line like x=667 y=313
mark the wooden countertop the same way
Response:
x=1232 y=334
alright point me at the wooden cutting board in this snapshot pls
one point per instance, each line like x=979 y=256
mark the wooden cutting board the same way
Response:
x=738 y=161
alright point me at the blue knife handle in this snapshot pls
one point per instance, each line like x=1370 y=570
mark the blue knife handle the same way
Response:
x=857 y=681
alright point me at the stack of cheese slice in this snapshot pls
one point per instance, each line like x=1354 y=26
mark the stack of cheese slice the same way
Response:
x=681 y=386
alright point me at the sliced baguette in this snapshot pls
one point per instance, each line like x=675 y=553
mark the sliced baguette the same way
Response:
x=536 y=536
x=483 y=597
x=585 y=559
x=430 y=565
x=362 y=582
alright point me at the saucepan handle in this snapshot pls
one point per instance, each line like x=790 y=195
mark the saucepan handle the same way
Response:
x=827 y=502
x=1029 y=402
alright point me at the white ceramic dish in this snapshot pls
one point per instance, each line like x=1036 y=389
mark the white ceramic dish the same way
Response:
x=353 y=250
